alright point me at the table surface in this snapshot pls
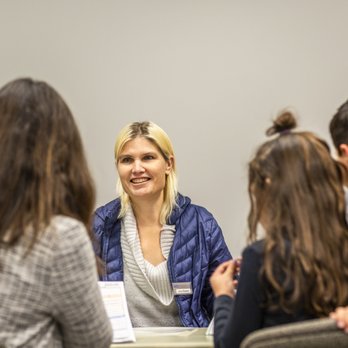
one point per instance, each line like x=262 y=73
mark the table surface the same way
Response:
x=170 y=337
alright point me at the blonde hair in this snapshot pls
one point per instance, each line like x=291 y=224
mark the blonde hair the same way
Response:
x=157 y=136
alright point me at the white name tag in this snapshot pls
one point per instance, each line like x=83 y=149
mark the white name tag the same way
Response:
x=182 y=288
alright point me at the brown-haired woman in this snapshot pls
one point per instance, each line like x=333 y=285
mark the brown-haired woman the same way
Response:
x=48 y=277
x=299 y=270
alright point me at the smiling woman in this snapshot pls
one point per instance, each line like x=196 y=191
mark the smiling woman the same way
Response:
x=154 y=239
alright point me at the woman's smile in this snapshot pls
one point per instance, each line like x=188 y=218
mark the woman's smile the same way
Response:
x=137 y=181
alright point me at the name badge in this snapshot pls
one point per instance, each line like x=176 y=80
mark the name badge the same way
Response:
x=182 y=288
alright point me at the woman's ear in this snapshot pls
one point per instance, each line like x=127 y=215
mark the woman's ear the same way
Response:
x=170 y=164
x=343 y=150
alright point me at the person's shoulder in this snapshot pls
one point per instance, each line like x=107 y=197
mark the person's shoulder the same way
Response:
x=65 y=222
x=68 y=230
x=109 y=207
x=255 y=249
x=109 y=210
x=64 y=234
x=70 y=240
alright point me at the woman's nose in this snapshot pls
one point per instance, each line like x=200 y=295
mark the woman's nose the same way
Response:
x=137 y=167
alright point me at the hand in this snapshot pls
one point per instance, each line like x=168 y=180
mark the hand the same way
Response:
x=222 y=281
x=238 y=262
x=341 y=317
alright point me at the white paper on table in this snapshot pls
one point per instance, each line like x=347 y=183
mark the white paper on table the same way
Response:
x=115 y=302
x=210 y=329
x=164 y=331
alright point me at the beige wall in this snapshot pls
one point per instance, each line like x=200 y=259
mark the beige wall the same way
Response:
x=211 y=73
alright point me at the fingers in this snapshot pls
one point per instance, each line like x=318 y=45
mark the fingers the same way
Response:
x=224 y=266
x=231 y=268
x=341 y=317
x=221 y=280
x=238 y=262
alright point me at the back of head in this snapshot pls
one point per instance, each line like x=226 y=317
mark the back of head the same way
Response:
x=296 y=193
x=158 y=137
x=43 y=170
x=339 y=126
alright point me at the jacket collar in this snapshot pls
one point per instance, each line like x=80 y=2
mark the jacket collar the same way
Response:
x=181 y=203
x=112 y=209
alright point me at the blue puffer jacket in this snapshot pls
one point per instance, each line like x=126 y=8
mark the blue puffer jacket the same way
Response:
x=198 y=248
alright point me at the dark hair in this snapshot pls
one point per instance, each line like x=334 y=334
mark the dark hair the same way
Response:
x=43 y=168
x=339 y=126
x=296 y=191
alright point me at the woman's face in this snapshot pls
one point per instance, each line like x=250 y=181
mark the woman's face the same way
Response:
x=142 y=169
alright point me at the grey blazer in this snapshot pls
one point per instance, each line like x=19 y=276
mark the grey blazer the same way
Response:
x=50 y=298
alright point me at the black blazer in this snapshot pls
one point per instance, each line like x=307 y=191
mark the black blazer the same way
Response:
x=236 y=318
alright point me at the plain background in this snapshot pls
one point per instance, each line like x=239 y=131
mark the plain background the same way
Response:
x=211 y=73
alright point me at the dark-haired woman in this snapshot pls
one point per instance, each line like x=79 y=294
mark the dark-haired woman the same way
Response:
x=299 y=270
x=48 y=276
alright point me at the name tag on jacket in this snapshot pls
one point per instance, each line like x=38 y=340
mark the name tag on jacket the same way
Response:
x=184 y=288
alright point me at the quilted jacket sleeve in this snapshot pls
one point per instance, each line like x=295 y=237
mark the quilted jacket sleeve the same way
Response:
x=218 y=253
x=98 y=228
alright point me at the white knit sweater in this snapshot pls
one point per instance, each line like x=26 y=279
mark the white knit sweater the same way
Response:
x=148 y=288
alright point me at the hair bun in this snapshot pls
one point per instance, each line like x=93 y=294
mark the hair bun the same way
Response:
x=285 y=121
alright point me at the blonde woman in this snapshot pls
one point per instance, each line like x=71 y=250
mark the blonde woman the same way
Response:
x=154 y=239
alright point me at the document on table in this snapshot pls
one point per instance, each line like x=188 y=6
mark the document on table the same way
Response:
x=210 y=329
x=116 y=307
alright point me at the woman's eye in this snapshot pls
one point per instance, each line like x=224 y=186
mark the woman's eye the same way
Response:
x=126 y=160
x=149 y=157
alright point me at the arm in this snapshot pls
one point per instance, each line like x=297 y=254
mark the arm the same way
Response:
x=75 y=295
x=236 y=318
x=218 y=253
x=98 y=228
